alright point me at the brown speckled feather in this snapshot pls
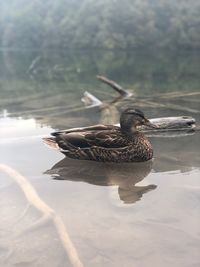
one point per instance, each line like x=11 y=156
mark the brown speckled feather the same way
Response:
x=106 y=143
x=106 y=146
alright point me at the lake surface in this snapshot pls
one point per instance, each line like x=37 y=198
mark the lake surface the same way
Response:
x=116 y=215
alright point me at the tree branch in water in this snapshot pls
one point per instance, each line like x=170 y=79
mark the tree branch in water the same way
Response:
x=48 y=213
x=114 y=85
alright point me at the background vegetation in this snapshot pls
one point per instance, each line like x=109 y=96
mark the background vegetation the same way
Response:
x=107 y=24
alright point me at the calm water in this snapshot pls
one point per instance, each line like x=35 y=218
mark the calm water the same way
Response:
x=142 y=215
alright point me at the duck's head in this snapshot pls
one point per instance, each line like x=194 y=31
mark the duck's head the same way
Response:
x=132 y=118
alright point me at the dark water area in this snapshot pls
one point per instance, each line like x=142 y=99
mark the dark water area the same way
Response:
x=144 y=214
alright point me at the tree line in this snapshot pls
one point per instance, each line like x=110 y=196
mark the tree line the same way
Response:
x=110 y=24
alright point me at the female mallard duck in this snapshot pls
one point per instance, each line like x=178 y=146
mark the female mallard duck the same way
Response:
x=107 y=143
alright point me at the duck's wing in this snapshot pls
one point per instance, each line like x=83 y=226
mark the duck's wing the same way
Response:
x=106 y=138
x=99 y=143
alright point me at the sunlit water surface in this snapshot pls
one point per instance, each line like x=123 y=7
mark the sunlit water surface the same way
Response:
x=142 y=215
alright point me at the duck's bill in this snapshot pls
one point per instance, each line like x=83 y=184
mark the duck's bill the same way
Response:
x=150 y=125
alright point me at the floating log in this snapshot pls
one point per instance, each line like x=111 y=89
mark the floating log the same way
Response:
x=172 y=123
x=171 y=127
x=118 y=88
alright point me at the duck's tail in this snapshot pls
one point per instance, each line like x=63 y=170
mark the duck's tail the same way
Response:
x=51 y=142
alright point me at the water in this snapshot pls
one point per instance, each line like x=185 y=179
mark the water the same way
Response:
x=144 y=214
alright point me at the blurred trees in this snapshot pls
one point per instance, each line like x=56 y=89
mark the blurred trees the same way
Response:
x=108 y=24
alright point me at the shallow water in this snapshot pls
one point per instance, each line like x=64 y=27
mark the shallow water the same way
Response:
x=144 y=214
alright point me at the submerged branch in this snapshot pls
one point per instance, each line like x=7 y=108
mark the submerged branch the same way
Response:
x=34 y=199
x=115 y=86
x=90 y=100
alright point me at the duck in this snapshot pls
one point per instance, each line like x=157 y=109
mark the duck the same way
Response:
x=106 y=143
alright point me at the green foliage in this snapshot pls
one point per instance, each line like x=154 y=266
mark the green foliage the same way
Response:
x=111 y=24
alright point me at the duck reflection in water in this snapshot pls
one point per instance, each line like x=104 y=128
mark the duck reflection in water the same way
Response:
x=125 y=176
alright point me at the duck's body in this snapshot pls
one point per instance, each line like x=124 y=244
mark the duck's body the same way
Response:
x=106 y=143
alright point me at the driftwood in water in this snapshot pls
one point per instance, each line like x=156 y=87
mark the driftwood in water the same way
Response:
x=166 y=126
x=172 y=123
x=118 y=88
x=171 y=127
x=90 y=100
x=152 y=101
